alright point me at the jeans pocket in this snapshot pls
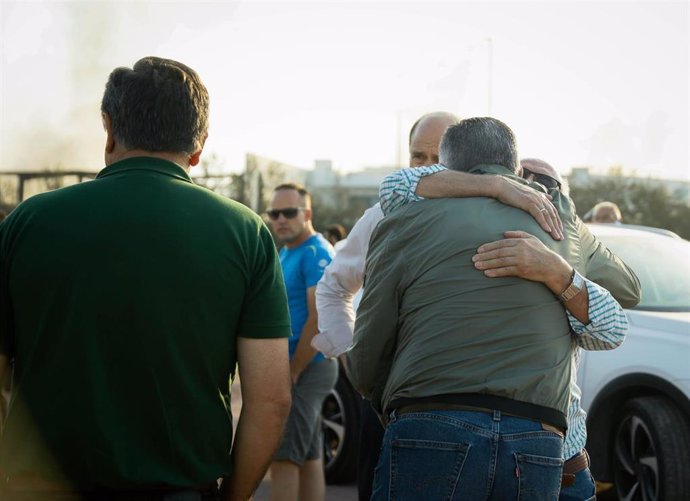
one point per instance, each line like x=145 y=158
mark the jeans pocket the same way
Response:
x=539 y=477
x=425 y=469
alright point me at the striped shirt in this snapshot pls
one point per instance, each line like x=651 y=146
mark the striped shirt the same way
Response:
x=607 y=321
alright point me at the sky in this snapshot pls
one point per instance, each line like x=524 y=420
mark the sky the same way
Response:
x=581 y=83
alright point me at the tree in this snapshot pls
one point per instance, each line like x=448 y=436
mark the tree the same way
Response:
x=639 y=202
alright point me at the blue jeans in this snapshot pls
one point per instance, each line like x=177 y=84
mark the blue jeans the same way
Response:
x=584 y=488
x=467 y=455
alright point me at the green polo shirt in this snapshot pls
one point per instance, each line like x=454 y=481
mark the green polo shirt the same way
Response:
x=121 y=300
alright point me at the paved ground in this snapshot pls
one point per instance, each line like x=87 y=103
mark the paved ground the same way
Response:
x=333 y=492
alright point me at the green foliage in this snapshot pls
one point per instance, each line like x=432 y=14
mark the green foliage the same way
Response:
x=324 y=215
x=639 y=202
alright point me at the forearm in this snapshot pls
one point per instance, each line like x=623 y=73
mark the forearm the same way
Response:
x=259 y=430
x=304 y=352
x=456 y=184
x=266 y=397
x=336 y=319
x=559 y=280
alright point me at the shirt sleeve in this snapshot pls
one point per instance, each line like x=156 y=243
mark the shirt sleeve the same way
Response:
x=608 y=324
x=399 y=188
x=265 y=308
x=314 y=261
x=341 y=281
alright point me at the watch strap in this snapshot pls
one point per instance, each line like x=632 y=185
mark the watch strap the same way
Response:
x=577 y=283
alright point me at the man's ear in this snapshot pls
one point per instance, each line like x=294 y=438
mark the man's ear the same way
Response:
x=110 y=137
x=307 y=214
x=196 y=156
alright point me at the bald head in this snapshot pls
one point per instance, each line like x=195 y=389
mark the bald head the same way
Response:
x=534 y=168
x=606 y=212
x=425 y=137
x=538 y=166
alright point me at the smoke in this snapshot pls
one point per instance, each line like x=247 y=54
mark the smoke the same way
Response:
x=52 y=87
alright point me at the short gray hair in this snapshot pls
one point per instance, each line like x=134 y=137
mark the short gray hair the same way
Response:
x=479 y=140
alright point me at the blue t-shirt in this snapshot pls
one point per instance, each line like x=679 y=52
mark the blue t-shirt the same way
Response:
x=302 y=268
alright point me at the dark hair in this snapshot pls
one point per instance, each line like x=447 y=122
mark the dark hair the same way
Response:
x=480 y=140
x=435 y=114
x=158 y=105
x=337 y=230
x=298 y=188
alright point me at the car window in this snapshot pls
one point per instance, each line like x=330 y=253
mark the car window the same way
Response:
x=662 y=265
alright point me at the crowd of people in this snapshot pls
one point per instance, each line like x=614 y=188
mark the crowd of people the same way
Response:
x=128 y=305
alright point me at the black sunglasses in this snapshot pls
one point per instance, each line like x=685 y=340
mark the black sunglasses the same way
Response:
x=547 y=181
x=289 y=213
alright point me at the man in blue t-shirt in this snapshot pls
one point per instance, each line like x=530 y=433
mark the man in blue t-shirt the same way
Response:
x=297 y=468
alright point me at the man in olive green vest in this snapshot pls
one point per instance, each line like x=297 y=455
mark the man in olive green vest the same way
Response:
x=473 y=374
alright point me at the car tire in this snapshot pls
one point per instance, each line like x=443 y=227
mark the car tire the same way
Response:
x=340 y=417
x=650 y=451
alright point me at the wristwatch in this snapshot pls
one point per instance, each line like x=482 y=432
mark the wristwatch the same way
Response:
x=577 y=284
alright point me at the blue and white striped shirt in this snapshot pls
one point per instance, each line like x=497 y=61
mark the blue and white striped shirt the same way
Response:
x=607 y=321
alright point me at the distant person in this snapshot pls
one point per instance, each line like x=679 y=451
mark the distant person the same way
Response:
x=606 y=212
x=343 y=279
x=126 y=304
x=335 y=233
x=445 y=356
x=525 y=257
x=297 y=468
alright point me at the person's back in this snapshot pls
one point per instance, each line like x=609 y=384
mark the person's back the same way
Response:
x=459 y=332
x=112 y=270
x=126 y=303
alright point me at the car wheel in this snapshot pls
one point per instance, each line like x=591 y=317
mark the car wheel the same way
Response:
x=651 y=452
x=340 y=413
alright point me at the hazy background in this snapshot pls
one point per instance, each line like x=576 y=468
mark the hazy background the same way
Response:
x=581 y=83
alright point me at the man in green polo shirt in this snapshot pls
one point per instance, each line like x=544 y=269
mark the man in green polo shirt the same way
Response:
x=126 y=304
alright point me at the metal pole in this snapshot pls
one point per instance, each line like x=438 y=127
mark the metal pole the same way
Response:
x=490 y=51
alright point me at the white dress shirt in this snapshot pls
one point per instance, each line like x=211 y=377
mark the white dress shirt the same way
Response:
x=341 y=281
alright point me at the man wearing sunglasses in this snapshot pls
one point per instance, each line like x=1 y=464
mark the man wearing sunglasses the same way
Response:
x=297 y=468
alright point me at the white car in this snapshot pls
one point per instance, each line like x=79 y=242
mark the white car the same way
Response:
x=638 y=396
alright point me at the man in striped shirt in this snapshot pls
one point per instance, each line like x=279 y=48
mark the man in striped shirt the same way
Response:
x=523 y=255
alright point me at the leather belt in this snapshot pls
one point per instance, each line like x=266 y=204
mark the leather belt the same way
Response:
x=425 y=407
x=573 y=466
